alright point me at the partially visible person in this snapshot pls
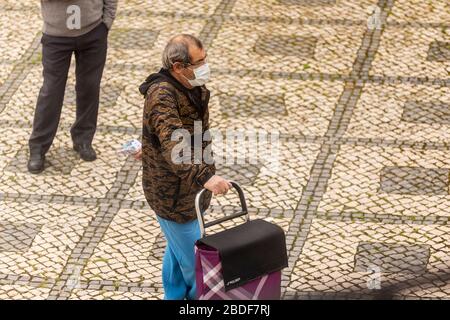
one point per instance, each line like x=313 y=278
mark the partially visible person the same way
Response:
x=80 y=27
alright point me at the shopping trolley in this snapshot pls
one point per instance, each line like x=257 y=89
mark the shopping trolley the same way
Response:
x=240 y=263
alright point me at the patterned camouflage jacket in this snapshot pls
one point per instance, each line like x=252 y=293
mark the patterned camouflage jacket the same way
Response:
x=170 y=187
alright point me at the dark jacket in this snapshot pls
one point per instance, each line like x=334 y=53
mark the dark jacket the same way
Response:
x=169 y=187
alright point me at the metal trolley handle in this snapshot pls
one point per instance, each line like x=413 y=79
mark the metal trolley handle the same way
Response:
x=200 y=217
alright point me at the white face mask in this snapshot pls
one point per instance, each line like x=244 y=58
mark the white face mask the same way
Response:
x=202 y=75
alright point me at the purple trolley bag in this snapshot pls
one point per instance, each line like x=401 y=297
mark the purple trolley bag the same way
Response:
x=240 y=263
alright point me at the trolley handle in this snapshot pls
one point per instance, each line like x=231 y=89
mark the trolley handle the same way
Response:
x=200 y=214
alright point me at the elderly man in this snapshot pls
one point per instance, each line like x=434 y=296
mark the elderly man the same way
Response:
x=175 y=97
x=79 y=27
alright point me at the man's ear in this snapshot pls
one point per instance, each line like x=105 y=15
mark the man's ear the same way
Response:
x=177 y=67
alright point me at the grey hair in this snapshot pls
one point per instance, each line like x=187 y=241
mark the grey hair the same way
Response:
x=177 y=50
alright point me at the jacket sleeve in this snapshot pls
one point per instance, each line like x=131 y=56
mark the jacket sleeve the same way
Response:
x=109 y=12
x=162 y=114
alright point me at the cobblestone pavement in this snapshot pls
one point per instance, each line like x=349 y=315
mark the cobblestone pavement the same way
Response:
x=363 y=112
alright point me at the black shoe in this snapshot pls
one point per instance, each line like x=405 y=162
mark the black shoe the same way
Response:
x=36 y=163
x=86 y=152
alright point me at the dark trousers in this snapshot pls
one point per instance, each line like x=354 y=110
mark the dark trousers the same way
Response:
x=90 y=55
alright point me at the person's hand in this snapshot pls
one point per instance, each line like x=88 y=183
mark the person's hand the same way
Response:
x=217 y=185
x=138 y=155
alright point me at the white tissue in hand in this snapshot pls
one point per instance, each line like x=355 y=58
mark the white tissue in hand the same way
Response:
x=130 y=147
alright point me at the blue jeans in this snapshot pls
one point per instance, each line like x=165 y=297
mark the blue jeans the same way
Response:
x=178 y=271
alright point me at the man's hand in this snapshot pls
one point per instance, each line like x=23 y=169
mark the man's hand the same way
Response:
x=217 y=185
x=138 y=155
